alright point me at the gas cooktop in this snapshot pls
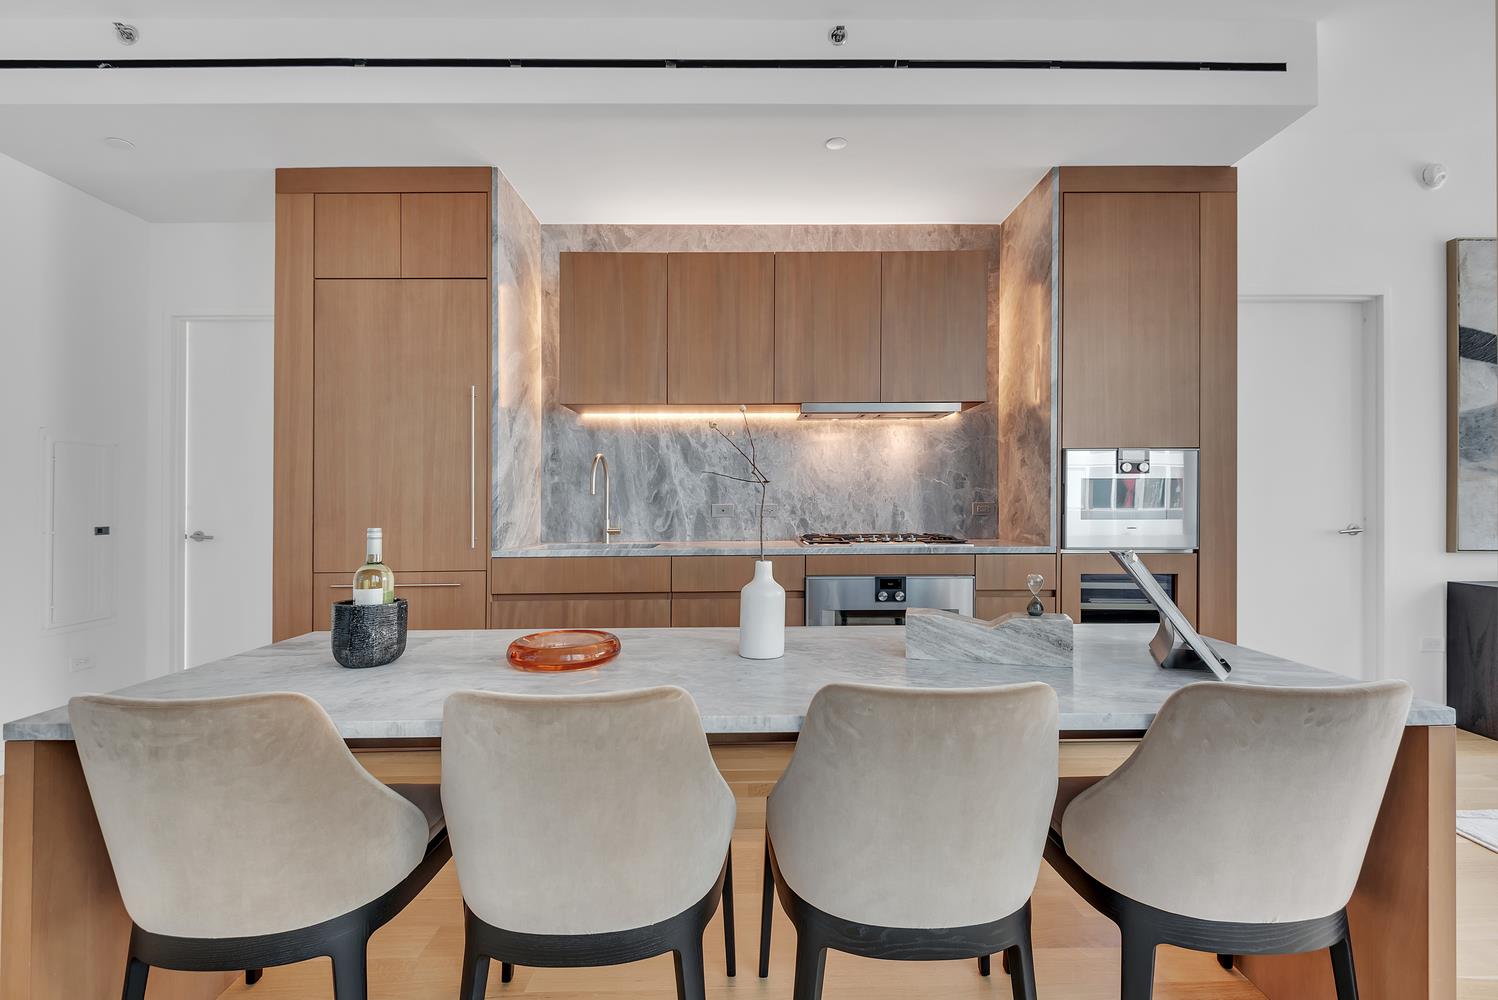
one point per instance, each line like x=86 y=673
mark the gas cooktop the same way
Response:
x=877 y=537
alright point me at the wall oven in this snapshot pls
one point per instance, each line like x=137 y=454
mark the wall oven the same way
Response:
x=883 y=600
x=1113 y=597
x=1129 y=498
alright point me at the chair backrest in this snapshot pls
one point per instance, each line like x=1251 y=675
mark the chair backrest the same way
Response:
x=241 y=816
x=1244 y=803
x=580 y=815
x=918 y=808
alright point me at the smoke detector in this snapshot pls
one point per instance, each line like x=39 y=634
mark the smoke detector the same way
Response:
x=1434 y=175
x=128 y=34
x=838 y=35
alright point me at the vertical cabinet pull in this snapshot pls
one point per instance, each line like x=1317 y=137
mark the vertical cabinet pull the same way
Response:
x=473 y=416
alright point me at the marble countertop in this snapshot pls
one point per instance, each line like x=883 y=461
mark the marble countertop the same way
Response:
x=1113 y=685
x=779 y=547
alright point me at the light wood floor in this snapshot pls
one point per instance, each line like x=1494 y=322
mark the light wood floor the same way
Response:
x=416 y=956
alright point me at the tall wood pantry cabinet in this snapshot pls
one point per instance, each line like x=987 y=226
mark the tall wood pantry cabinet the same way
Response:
x=382 y=389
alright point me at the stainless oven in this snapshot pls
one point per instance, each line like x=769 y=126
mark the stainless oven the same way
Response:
x=1113 y=597
x=1129 y=498
x=883 y=600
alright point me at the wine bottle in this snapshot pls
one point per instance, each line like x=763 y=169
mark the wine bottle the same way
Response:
x=374 y=583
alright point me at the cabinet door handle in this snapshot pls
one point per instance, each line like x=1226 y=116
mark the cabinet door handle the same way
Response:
x=473 y=417
x=398 y=586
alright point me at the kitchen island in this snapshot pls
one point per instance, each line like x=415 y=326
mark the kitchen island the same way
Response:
x=64 y=928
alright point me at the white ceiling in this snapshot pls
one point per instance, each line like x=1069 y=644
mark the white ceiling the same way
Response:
x=647 y=146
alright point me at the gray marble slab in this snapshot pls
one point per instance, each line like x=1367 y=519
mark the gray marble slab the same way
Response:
x=1041 y=640
x=748 y=548
x=1113 y=686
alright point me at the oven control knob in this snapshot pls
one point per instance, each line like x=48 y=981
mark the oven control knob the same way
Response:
x=1125 y=466
x=1144 y=466
x=899 y=595
x=883 y=595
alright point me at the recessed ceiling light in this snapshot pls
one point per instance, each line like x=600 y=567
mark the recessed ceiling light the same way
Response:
x=115 y=142
x=837 y=142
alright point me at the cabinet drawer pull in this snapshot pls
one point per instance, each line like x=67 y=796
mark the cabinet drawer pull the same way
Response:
x=473 y=410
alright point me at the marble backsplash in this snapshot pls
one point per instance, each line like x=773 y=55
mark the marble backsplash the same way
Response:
x=876 y=475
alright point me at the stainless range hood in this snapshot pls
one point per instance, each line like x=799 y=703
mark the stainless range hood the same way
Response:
x=877 y=411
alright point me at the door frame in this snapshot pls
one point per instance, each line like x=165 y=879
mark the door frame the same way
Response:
x=1375 y=465
x=175 y=553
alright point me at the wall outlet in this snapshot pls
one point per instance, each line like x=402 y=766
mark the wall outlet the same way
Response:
x=722 y=510
x=772 y=510
x=983 y=508
x=1432 y=644
x=77 y=663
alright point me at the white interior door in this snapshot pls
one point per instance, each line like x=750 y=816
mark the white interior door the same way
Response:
x=1306 y=429
x=229 y=421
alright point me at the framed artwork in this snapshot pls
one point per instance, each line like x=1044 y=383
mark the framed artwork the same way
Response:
x=1471 y=396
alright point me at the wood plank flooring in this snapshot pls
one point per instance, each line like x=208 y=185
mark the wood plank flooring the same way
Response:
x=416 y=956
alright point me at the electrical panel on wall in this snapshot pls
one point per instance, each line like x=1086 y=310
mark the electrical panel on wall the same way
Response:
x=81 y=572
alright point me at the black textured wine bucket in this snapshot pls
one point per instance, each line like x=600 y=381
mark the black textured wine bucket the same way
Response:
x=369 y=635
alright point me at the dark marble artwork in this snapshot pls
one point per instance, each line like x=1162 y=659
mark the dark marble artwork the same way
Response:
x=1472 y=656
x=1475 y=384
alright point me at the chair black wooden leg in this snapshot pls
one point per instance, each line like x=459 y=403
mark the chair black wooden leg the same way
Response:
x=1137 y=967
x=136 y=972
x=691 y=981
x=350 y=972
x=475 y=974
x=252 y=976
x=811 y=962
x=730 y=954
x=1343 y=972
x=984 y=968
x=766 y=916
x=1022 y=979
x=1004 y=961
x=506 y=971
x=1226 y=961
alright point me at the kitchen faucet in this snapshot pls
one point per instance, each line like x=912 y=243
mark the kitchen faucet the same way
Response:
x=598 y=459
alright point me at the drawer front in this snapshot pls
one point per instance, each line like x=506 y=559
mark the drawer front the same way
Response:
x=580 y=612
x=721 y=574
x=991 y=606
x=1007 y=571
x=721 y=611
x=581 y=575
x=434 y=600
x=893 y=564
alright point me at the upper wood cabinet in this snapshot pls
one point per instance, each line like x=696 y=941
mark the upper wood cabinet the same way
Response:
x=826 y=327
x=444 y=235
x=1131 y=307
x=934 y=326
x=721 y=328
x=357 y=235
x=612 y=347
x=400 y=376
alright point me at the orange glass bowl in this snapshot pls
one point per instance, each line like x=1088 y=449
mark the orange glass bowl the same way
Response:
x=563 y=649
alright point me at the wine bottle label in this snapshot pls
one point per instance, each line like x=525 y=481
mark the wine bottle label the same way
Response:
x=369 y=595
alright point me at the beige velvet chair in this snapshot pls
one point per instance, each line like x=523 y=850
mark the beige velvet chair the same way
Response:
x=1239 y=824
x=587 y=831
x=910 y=824
x=244 y=834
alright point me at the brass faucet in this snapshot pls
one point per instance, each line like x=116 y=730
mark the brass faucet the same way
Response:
x=598 y=459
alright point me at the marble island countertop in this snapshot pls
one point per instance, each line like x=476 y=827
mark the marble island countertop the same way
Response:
x=1113 y=686
x=779 y=547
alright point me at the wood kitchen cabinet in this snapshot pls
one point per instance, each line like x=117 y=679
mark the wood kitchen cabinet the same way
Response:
x=400 y=376
x=444 y=234
x=612 y=349
x=433 y=600
x=721 y=328
x=934 y=326
x=1131 y=298
x=827 y=327
x=357 y=235
x=609 y=611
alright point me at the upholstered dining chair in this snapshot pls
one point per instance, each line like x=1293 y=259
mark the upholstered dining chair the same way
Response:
x=1238 y=826
x=909 y=825
x=587 y=830
x=244 y=834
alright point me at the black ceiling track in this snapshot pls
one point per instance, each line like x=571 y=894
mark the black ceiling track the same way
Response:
x=1117 y=65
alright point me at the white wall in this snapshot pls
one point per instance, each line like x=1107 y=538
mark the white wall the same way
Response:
x=1333 y=206
x=73 y=291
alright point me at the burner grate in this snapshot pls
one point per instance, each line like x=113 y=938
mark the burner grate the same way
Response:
x=881 y=537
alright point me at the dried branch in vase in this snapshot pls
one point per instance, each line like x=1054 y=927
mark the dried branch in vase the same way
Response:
x=758 y=478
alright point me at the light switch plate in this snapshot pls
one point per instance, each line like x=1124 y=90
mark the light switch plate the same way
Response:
x=983 y=508
x=772 y=510
x=1432 y=644
x=722 y=510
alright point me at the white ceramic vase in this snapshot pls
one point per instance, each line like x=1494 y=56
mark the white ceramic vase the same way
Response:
x=762 y=615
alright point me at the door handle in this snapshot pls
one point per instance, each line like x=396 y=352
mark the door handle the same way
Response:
x=198 y=536
x=1352 y=529
x=473 y=410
